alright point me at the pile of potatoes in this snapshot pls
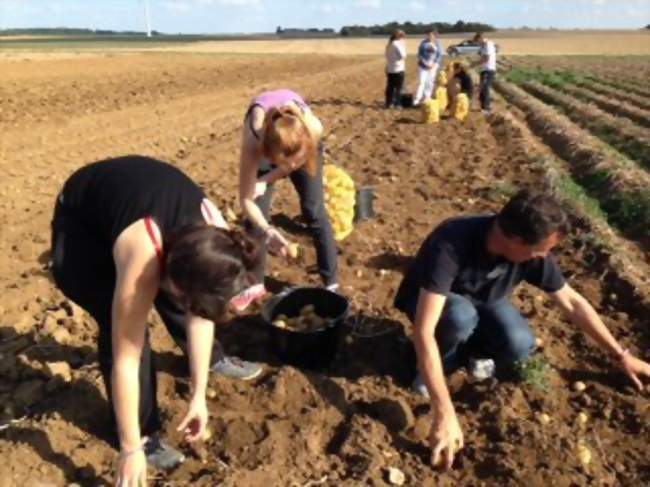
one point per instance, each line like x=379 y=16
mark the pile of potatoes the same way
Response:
x=340 y=198
x=306 y=321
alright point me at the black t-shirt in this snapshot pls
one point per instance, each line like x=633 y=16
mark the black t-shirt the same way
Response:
x=466 y=84
x=110 y=195
x=454 y=259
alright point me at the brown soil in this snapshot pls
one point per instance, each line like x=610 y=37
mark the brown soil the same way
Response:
x=348 y=424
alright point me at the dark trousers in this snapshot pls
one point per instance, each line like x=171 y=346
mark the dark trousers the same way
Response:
x=487 y=78
x=84 y=270
x=312 y=207
x=394 y=85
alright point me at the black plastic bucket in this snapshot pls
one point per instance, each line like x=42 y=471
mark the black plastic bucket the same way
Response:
x=309 y=349
x=363 y=209
x=406 y=100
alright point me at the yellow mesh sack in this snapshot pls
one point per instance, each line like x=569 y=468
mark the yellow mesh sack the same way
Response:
x=442 y=78
x=462 y=107
x=430 y=112
x=442 y=98
x=340 y=198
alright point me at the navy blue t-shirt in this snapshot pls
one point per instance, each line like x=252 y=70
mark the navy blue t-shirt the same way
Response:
x=454 y=259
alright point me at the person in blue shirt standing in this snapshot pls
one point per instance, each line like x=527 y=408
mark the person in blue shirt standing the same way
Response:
x=427 y=68
x=438 y=57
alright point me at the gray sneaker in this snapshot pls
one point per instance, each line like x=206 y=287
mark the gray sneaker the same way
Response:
x=236 y=368
x=160 y=455
x=419 y=387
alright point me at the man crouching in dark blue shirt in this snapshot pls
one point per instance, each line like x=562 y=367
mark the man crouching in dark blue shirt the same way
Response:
x=458 y=291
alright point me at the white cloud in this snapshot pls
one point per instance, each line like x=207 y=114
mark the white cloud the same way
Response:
x=328 y=8
x=418 y=5
x=236 y=3
x=368 y=3
x=177 y=6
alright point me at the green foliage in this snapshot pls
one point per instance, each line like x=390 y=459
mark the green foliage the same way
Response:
x=411 y=28
x=502 y=190
x=628 y=210
x=572 y=191
x=554 y=79
x=534 y=372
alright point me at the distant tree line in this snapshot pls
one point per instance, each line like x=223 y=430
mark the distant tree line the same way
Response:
x=304 y=32
x=68 y=31
x=411 y=28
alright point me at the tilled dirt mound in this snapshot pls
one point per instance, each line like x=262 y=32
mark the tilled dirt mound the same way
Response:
x=342 y=426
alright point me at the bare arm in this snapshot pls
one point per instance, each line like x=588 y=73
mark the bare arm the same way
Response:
x=136 y=287
x=248 y=166
x=580 y=312
x=428 y=314
x=313 y=124
x=446 y=437
x=200 y=337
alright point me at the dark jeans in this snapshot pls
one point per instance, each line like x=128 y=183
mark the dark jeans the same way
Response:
x=394 y=84
x=312 y=206
x=84 y=270
x=487 y=77
x=477 y=330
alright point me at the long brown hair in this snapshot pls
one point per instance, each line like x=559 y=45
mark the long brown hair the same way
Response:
x=209 y=266
x=287 y=141
x=395 y=36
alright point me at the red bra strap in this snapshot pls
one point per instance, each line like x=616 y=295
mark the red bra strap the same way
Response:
x=148 y=222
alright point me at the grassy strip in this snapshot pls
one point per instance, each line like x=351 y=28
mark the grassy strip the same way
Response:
x=624 y=85
x=607 y=90
x=622 y=188
x=631 y=271
x=625 y=136
x=615 y=107
x=567 y=81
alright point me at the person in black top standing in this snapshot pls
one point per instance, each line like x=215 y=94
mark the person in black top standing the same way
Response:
x=129 y=234
x=457 y=294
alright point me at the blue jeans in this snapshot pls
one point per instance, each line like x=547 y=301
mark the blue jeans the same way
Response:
x=496 y=330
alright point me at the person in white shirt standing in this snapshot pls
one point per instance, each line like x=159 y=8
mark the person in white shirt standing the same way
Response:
x=427 y=68
x=395 y=65
x=488 y=64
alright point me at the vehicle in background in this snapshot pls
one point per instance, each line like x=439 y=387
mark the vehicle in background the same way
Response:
x=466 y=48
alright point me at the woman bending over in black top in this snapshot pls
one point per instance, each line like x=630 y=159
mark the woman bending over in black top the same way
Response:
x=130 y=234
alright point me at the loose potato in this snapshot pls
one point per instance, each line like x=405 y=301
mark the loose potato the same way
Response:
x=293 y=250
x=280 y=323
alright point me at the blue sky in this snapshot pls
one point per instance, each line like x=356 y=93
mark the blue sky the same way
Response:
x=213 y=16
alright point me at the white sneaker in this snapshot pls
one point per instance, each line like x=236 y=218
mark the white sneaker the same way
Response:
x=481 y=369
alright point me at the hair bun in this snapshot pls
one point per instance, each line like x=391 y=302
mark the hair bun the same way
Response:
x=249 y=248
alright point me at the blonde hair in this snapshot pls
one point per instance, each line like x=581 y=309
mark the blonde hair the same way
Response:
x=287 y=141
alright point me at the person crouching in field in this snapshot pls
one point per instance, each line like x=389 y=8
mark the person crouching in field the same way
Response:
x=280 y=139
x=460 y=82
x=457 y=295
x=133 y=233
x=395 y=66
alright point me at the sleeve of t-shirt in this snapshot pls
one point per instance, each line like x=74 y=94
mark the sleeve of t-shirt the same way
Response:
x=545 y=274
x=439 y=267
